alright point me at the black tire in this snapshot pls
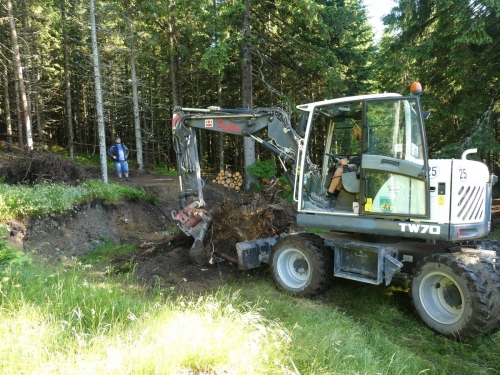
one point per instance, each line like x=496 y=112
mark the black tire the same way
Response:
x=490 y=269
x=302 y=265
x=451 y=294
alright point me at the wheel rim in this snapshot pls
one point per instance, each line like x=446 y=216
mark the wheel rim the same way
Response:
x=293 y=268
x=441 y=298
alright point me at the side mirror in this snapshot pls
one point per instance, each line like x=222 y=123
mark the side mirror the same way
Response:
x=426 y=114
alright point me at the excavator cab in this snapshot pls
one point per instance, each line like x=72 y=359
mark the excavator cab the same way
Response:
x=390 y=179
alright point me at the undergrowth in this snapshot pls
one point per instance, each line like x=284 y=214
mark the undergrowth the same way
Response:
x=51 y=198
x=8 y=255
x=265 y=172
x=93 y=160
x=161 y=169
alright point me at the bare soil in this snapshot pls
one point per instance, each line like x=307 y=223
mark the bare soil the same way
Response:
x=161 y=255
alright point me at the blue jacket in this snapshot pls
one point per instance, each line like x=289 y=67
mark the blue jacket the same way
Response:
x=113 y=151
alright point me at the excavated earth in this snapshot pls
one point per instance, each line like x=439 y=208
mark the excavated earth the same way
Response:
x=161 y=250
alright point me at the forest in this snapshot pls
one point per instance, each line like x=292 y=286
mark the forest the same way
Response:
x=77 y=73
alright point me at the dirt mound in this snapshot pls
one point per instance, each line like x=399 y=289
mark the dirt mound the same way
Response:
x=40 y=168
x=247 y=218
x=236 y=217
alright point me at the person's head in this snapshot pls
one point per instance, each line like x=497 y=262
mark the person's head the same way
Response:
x=118 y=140
x=356 y=129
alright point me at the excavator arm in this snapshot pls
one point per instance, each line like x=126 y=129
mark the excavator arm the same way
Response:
x=282 y=140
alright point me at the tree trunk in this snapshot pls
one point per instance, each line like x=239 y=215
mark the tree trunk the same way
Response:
x=135 y=98
x=18 y=73
x=67 y=80
x=174 y=68
x=246 y=89
x=98 y=96
x=39 y=119
x=8 y=120
x=145 y=128
x=20 y=133
x=221 y=135
x=27 y=53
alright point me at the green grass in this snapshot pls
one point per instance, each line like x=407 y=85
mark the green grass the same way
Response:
x=79 y=320
x=67 y=322
x=63 y=321
x=107 y=252
x=162 y=169
x=86 y=160
x=23 y=200
x=363 y=329
x=81 y=158
x=8 y=255
x=494 y=234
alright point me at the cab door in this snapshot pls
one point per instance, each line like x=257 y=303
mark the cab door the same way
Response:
x=394 y=163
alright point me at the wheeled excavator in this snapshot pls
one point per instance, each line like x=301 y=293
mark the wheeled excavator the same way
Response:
x=398 y=212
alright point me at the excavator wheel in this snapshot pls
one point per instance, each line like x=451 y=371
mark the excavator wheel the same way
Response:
x=454 y=295
x=302 y=265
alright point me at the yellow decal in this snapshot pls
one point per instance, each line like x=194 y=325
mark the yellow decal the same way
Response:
x=368 y=205
x=440 y=200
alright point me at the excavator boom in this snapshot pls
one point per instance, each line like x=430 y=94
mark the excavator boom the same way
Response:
x=282 y=140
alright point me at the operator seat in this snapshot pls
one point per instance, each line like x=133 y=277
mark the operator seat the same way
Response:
x=350 y=181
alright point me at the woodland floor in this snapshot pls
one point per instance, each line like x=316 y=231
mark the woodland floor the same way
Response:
x=161 y=256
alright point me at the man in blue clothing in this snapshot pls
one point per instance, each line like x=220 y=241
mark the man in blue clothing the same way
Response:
x=120 y=153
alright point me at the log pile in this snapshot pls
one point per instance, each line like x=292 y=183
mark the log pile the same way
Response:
x=228 y=179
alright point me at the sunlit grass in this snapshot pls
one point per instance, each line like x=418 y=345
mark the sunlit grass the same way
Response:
x=63 y=322
x=72 y=320
x=24 y=200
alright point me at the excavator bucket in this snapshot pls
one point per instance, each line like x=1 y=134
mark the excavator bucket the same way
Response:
x=194 y=222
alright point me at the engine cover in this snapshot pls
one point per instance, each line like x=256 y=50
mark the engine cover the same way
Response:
x=459 y=191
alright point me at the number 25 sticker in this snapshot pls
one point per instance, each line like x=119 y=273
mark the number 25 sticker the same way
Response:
x=462 y=174
x=433 y=171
